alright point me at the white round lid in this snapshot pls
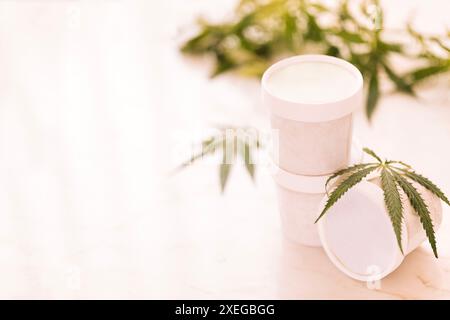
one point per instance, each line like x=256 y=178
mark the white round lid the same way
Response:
x=357 y=234
x=346 y=96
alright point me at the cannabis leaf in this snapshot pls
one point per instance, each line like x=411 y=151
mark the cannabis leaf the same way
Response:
x=228 y=157
x=423 y=73
x=395 y=176
x=419 y=205
x=373 y=154
x=261 y=32
x=230 y=142
x=346 y=171
x=427 y=184
x=393 y=203
x=401 y=84
x=346 y=185
x=246 y=154
x=373 y=93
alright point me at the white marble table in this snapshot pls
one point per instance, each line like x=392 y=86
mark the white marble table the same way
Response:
x=96 y=104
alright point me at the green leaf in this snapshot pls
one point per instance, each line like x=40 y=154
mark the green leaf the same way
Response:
x=344 y=186
x=290 y=31
x=224 y=171
x=228 y=157
x=416 y=35
x=195 y=44
x=359 y=60
x=390 y=47
x=419 y=205
x=400 y=83
x=373 y=94
x=313 y=32
x=399 y=162
x=393 y=203
x=245 y=21
x=425 y=182
x=440 y=43
x=252 y=68
x=209 y=146
x=350 y=36
x=319 y=7
x=245 y=152
x=207 y=40
x=346 y=171
x=372 y=153
x=223 y=64
x=428 y=71
x=333 y=51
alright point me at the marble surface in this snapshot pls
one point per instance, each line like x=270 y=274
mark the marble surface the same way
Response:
x=97 y=106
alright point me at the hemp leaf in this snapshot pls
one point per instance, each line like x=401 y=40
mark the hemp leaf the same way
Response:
x=229 y=142
x=393 y=202
x=261 y=32
x=346 y=185
x=396 y=177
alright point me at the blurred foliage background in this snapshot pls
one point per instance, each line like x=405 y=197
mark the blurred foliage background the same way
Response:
x=262 y=32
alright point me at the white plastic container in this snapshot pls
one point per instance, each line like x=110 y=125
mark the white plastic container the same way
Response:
x=299 y=198
x=311 y=99
x=357 y=233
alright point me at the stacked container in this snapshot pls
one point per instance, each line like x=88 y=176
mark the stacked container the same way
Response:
x=311 y=99
x=312 y=136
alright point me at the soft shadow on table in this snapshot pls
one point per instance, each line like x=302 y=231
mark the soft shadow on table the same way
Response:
x=307 y=273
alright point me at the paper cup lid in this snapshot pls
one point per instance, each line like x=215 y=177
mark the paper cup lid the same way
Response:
x=357 y=234
x=315 y=111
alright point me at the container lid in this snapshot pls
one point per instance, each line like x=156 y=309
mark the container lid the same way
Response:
x=357 y=234
x=313 y=111
x=310 y=184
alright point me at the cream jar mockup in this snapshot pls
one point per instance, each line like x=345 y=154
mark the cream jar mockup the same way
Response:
x=358 y=236
x=311 y=99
